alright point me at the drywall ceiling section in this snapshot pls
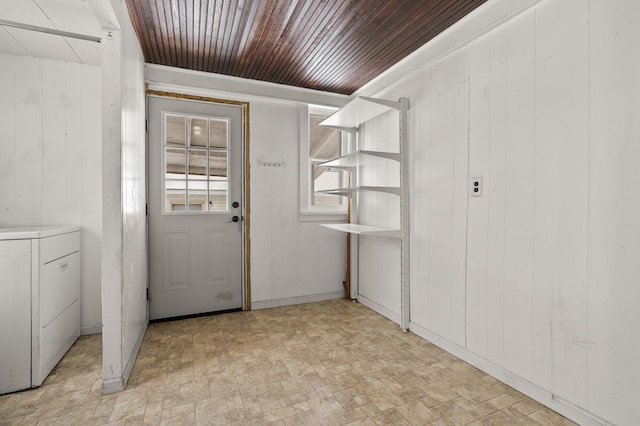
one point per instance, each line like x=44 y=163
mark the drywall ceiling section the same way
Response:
x=23 y=26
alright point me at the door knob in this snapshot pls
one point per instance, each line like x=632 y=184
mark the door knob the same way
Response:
x=234 y=219
x=235 y=204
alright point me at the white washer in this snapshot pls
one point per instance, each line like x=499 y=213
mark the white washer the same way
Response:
x=40 y=282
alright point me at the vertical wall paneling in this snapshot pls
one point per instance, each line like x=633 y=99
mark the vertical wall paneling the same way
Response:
x=520 y=185
x=440 y=212
x=51 y=165
x=553 y=244
x=134 y=198
x=56 y=101
x=293 y=261
x=495 y=188
x=72 y=105
x=89 y=116
x=459 y=199
x=420 y=122
x=614 y=208
x=113 y=377
x=478 y=295
x=561 y=199
x=290 y=247
x=308 y=266
x=20 y=141
x=124 y=258
x=8 y=140
x=444 y=197
x=28 y=138
x=379 y=259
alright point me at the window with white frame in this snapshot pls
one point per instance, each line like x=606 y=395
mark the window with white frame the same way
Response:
x=195 y=162
x=320 y=144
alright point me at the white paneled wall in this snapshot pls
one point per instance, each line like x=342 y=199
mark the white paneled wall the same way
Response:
x=612 y=290
x=291 y=261
x=438 y=123
x=379 y=257
x=535 y=281
x=50 y=157
x=124 y=256
x=134 y=218
x=532 y=222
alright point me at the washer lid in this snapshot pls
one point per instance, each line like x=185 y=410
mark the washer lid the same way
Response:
x=30 y=232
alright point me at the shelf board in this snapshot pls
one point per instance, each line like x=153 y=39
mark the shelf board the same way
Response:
x=347 y=192
x=358 y=111
x=352 y=228
x=359 y=158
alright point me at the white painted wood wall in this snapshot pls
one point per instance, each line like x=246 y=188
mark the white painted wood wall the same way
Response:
x=536 y=281
x=50 y=157
x=124 y=255
x=292 y=261
x=379 y=257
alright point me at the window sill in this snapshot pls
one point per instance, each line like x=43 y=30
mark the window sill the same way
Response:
x=323 y=217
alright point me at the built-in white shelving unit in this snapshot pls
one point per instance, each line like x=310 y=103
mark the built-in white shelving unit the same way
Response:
x=349 y=119
x=354 y=228
x=349 y=191
x=358 y=111
x=359 y=158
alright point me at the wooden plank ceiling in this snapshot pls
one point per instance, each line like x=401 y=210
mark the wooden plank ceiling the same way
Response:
x=329 y=45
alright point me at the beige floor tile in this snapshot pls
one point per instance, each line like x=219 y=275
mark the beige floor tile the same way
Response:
x=333 y=363
x=416 y=413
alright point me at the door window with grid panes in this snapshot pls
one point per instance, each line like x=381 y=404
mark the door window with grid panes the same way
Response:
x=196 y=164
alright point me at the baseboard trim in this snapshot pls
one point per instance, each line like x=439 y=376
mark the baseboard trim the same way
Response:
x=379 y=309
x=112 y=385
x=91 y=329
x=298 y=300
x=118 y=384
x=565 y=408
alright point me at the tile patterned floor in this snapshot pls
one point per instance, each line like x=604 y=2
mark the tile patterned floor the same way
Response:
x=327 y=363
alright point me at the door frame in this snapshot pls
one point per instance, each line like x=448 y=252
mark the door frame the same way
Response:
x=246 y=222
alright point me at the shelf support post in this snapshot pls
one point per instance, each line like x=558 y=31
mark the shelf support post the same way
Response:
x=405 y=209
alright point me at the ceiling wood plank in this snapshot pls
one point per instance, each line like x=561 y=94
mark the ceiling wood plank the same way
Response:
x=328 y=45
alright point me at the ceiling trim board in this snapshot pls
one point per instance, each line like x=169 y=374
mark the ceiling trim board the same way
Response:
x=161 y=75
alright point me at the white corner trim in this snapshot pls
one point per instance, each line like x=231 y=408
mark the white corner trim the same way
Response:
x=299 y=300
x=533 y=391
x=118 y=384
x=477 y=23
x=158 y=76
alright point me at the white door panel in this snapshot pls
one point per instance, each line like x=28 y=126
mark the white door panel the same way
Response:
x=175 y=259
x=218 y=268
x=195 y=176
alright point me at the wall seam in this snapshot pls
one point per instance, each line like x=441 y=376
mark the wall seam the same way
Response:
x=466 y=233
x=533 y=189
x=588 y=212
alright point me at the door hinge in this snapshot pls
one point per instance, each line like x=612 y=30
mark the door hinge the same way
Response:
x=147 y=293
x=146 y=125
x=146 y=208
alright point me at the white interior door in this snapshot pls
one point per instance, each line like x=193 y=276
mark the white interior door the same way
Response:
x=195 y=207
